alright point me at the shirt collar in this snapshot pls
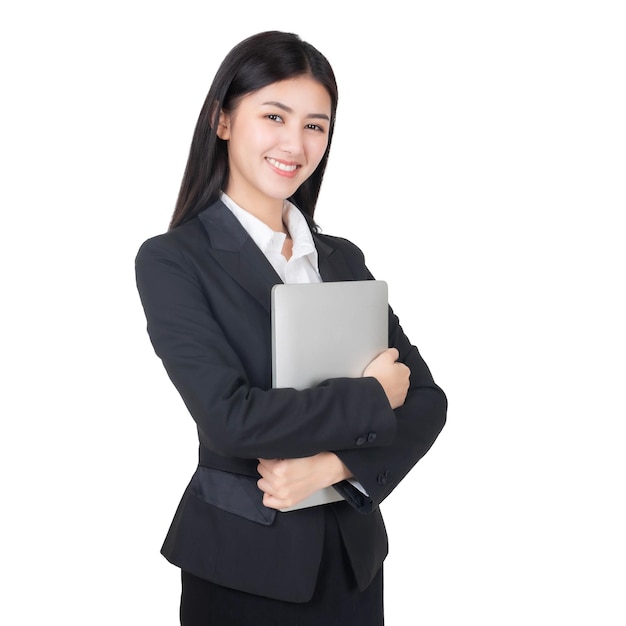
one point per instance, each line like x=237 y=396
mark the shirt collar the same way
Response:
x=270 y=241
x=298 y=228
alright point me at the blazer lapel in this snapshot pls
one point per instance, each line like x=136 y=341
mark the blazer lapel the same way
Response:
x=237 y=253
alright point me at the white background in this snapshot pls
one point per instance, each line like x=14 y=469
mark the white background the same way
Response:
x=479 y=161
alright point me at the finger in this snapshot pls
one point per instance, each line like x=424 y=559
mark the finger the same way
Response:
x=272 y=503
x=393 y=353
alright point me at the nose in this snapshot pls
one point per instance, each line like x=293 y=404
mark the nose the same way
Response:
x=292 y=140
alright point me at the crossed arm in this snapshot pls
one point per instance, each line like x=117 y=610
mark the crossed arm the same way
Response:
x=285 y=482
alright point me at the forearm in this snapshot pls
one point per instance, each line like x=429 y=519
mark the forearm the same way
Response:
x=419 y=421
x=380 y=470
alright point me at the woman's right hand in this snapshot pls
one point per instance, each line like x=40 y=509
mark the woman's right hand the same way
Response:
x=393 y=376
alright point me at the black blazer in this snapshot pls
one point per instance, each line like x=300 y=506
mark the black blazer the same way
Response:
x=205 y=288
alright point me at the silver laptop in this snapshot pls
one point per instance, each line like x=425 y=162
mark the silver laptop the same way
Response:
x=326 y=330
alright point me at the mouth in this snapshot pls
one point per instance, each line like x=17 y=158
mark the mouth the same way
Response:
x=283 y=167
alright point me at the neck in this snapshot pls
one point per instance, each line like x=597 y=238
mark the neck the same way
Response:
x=269 y=211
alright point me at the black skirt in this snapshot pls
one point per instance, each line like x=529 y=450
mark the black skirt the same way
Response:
x=336 y=601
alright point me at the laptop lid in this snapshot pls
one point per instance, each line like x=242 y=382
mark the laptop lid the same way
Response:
x=326 y=330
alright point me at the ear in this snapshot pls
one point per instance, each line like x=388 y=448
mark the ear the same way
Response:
x=223 y=126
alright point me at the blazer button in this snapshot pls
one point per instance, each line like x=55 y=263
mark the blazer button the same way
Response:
x=360 y=440
x=381 y=479
x=371 y=437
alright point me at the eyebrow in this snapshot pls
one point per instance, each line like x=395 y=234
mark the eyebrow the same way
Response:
x=284 y=107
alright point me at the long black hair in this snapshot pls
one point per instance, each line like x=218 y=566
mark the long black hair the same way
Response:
x=254 y=63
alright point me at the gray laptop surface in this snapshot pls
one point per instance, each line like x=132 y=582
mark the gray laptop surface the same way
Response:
x=326 y=330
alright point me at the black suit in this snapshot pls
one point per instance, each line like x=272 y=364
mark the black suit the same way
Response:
x=205 y=288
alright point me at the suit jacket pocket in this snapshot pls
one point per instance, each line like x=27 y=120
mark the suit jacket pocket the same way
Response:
x=233 y=493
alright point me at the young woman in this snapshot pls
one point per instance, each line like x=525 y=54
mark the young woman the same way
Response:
x=244 y=222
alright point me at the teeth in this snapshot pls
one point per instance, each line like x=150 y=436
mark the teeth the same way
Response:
x=282 y=166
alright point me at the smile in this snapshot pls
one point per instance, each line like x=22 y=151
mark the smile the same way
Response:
x=282 y=166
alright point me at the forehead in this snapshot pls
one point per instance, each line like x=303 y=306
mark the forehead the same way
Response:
x=303 y=94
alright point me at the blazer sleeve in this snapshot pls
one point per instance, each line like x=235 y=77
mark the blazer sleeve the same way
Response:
x=234 y=417
x=419 y=420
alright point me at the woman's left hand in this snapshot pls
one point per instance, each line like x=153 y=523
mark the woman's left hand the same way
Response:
x=285 y=482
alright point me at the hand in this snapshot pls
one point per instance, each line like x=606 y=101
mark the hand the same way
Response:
x=393 y=376
x=285 y=482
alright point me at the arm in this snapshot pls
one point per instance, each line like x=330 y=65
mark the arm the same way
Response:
x=420 y=420
x=378 y=470
x=235 y=417
x=286 y=482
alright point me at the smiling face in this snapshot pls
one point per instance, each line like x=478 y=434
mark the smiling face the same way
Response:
x=276 y=138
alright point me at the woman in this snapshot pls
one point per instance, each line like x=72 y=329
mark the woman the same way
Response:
x=244 y=222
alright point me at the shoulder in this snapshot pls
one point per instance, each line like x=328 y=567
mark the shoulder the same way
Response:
x=182 y=242
x=180 y=237
x=341 y=258
x=346 y=246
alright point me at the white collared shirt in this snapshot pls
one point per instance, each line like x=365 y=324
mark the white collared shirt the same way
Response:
x=302 y=266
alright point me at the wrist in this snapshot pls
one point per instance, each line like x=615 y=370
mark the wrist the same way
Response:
x=336 y=469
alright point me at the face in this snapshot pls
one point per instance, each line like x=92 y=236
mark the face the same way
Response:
x=276 y=138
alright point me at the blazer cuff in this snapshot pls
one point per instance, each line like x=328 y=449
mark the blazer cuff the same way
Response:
x=354 y=497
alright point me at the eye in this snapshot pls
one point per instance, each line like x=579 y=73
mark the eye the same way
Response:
x=274 y=117
x=316 y=127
